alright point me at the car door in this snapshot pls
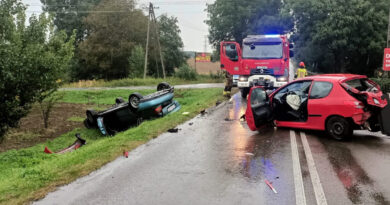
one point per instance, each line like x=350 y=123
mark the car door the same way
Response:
x=258 y=111
x=230 y=57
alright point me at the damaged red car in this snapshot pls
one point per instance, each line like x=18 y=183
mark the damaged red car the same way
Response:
x=335 y=103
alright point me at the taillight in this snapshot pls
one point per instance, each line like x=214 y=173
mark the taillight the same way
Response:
x=158 y=109
x=359 y=105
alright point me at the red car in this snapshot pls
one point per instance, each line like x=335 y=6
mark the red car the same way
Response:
x=337 y=103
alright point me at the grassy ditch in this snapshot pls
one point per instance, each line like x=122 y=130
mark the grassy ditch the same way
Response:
x=28 y=174
x=145 y=82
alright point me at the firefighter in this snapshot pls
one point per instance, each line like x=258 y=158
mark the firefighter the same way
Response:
x=301 y=72
x=228 y=84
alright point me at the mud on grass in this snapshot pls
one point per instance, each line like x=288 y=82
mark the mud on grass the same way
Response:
x=31 y=130
x=29 y=174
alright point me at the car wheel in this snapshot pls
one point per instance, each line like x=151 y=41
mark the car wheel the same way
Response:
x=163 y=86
x=119 y=100
x=134 y=100
x=339 y=128
x=91 y=115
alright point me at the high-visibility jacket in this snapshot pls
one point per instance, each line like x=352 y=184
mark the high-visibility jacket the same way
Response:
x=301 y=72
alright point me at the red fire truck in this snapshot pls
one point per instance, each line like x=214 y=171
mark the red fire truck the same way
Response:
x=262 y=60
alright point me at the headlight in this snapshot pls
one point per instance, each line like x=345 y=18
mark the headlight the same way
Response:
x=376 y=101
x=243 y=78
x=281 y=79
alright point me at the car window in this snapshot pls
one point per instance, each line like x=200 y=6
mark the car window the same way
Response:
x=361 y=84
x=299 y=87
x=320 y=90
x=258 y=96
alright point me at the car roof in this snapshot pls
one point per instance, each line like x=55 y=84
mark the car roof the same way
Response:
x=333 y=77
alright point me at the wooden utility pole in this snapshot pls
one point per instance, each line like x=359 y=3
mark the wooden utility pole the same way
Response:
x=147 y=42
x=158 y=39
x=152 y=17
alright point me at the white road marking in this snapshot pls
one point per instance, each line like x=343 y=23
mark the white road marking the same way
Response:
x=315 y=179
x=300 y=198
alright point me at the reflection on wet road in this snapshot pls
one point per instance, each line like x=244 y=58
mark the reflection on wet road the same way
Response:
x=218 y=160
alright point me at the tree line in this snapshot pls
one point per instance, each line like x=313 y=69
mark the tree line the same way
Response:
x=331 y=36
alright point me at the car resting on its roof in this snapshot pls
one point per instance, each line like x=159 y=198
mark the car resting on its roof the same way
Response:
x=337 y=103
x=124 y=115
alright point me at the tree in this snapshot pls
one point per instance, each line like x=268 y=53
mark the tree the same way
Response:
x=69 y=15
x=171 y=43
x=234 y=20
x=32 y=60
x=112 y=34
x=136 y=61
x=340 y=36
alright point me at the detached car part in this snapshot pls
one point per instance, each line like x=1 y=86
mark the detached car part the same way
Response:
x=77 y=144
x=124 y=115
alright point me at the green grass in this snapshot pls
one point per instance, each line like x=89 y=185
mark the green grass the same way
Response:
x=28 y=174
x=144 y=82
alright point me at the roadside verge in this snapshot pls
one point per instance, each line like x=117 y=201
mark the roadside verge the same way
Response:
x=29 y=174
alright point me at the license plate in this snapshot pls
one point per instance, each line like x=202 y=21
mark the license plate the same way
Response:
x=172 y=107
x=261 y=67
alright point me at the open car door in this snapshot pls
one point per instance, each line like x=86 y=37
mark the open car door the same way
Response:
x=258 y=112
x=230 y=57
x=385 y=116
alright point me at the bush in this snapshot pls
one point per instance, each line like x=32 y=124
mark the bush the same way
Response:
x=186 y=72
x=218 y=75
x=384 y=83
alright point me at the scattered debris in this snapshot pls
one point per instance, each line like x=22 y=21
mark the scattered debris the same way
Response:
x=228 y=119
x=217 y=103
x=243 y=117
x=77 y=144
x=186 y=113
x=276 y=177
x=126 y=154
x=173 y=130
x=203 y=112
x=270 y=186
x=191 y=123
x=249 y=154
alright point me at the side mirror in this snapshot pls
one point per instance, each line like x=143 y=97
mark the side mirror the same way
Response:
x=291 y=54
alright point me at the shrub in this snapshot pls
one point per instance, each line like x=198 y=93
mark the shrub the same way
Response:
x=185 y=72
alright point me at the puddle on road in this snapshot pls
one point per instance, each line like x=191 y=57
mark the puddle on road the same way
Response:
x=358 y=185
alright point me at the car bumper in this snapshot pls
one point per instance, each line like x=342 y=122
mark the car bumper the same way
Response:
x=265 y=79
x=171 y=108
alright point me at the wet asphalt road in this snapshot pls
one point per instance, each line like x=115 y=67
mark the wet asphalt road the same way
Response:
x=218 y=160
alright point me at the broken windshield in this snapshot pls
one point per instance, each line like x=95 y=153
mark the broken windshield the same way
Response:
x=262 y=51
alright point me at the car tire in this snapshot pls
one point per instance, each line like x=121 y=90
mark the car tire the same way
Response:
x=119 y=100
x=339 y=128
x=244 y=92
x=134 y=100
x=91 y=115
x=163 y=86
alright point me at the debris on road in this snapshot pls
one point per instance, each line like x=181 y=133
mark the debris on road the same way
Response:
x=228 y=119
x=186 y=113
x=191 y=123
x=249 y=154
x=217 y=103
x=173 y=130
x=242 y=118
x=203 y=112
x=126 y=154
x=77 y=144
x=270 y=186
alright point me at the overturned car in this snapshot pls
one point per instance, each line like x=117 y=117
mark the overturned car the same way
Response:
x=124 y=115
x=335 y=103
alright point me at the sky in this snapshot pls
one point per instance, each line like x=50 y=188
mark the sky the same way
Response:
x=190 y=14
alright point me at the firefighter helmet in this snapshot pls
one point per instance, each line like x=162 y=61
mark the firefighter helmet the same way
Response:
x=301 y=64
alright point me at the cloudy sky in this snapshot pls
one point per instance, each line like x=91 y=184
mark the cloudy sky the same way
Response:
x=190 y=13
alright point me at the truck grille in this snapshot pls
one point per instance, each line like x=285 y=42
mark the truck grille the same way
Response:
x=262 y=71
